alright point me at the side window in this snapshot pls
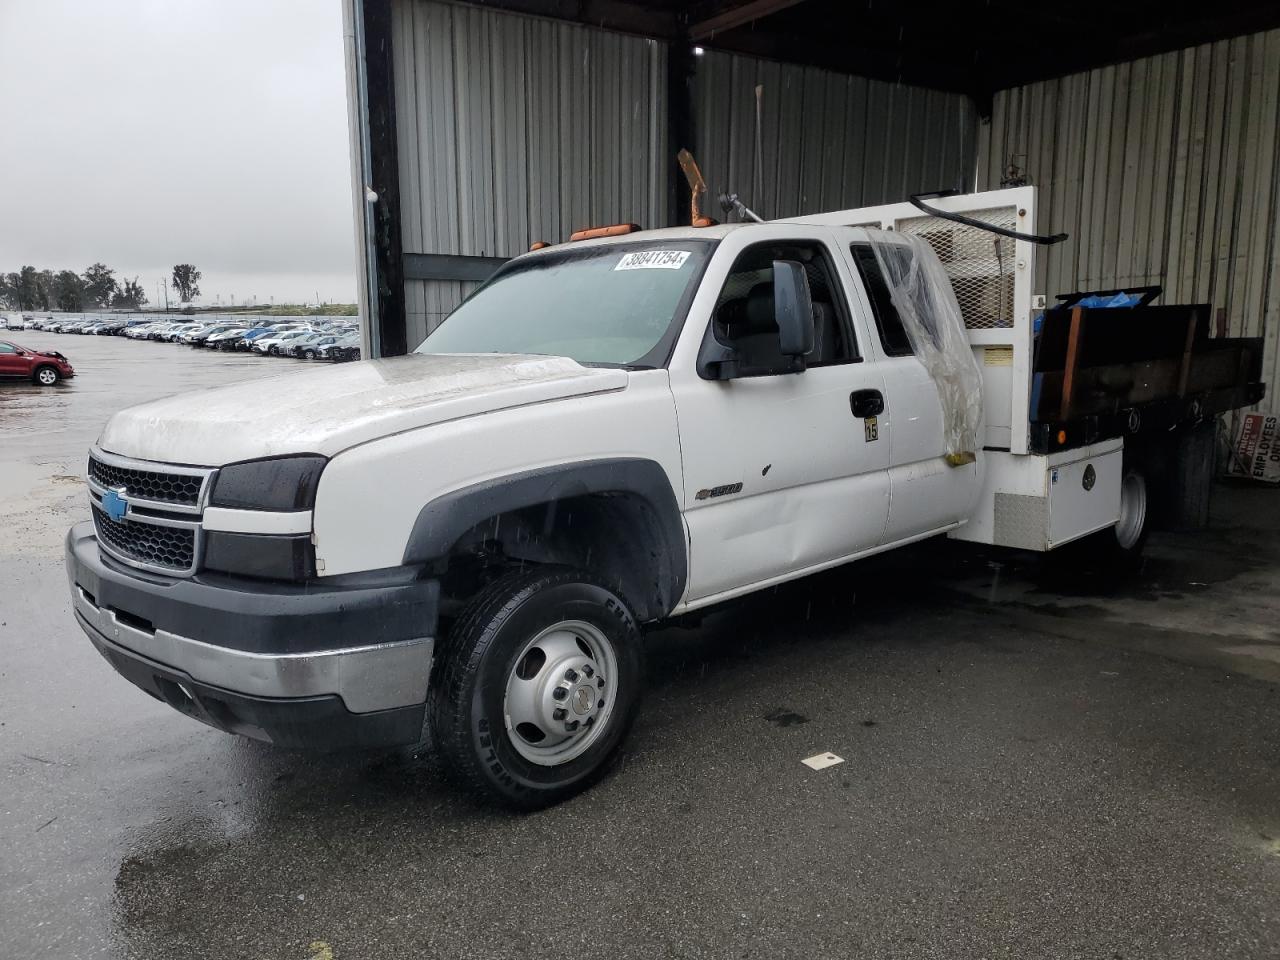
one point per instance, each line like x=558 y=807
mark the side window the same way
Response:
x=743 y=315
x=5 y=348
x=893 y=337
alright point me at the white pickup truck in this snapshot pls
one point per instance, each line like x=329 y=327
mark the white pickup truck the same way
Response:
x=608 y=433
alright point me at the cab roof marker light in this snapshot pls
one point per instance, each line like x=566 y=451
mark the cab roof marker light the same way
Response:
x=593 y=233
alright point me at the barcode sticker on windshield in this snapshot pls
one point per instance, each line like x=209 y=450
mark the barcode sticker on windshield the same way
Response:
x=653 y=260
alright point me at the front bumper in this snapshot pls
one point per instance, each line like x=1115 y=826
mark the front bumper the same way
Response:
x=320 y=665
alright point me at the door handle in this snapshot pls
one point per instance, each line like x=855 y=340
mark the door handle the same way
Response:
x=866 y=403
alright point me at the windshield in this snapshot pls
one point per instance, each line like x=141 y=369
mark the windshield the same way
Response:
x=612 y=304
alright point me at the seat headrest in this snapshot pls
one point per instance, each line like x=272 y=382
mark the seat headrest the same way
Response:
x=760 y=317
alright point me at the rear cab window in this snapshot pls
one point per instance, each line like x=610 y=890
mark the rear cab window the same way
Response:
x=893 y=336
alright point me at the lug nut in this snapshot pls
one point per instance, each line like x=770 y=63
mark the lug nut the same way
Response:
x=559 y=693
x=571 y=675
x=587 y=671
x=559 y=713
x=571 y=726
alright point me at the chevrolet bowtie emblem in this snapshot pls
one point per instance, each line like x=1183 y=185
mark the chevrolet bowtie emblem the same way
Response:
x=114 y=502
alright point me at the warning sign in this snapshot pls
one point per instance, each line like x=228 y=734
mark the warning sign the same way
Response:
x=1257 y=446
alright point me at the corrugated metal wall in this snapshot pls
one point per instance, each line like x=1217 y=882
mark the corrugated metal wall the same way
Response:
x=828 y=141
x=1163 y=170
x=513 y=129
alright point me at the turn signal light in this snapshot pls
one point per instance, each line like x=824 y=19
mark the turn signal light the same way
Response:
x=592 y=233
x=538 y=245
x=1062 y=437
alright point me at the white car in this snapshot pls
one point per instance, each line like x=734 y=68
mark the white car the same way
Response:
x=226 y=339
x=308 y=347
x=168 y=331
x=201 y=334
x=272 y=344
x=472 y=535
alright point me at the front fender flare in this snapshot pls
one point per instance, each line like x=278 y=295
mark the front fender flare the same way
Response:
x=443 y=521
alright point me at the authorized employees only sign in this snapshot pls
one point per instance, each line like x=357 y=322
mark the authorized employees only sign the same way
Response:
x=1257 y=449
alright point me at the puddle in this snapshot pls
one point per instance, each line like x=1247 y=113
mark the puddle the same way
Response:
x=786 y=718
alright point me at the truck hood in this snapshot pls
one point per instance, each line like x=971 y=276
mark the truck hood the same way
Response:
x=330 y=409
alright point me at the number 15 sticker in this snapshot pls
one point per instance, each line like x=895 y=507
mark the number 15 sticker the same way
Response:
x=872 y=427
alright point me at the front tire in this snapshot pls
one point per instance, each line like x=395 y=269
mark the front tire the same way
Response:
x=536 y=686
x=46 y=376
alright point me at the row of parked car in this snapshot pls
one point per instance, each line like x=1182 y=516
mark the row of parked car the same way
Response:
x=318 y=339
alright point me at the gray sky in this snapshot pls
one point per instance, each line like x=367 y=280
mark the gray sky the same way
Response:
x=144 y=133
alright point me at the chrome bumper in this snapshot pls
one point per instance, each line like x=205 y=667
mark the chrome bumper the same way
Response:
x=369 y=678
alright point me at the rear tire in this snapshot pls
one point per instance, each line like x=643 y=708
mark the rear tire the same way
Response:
x=46 y=376
x=1119 y=548
x=536 y=686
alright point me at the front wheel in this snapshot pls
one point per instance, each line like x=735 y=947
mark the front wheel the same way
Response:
x=46 y=376
x=536 y=686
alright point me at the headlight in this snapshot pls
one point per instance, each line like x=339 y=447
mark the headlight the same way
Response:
x=279 y=483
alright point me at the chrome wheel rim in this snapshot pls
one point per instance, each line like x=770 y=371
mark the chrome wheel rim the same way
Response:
x=560 y=693
x=1133 y=511
x=48 y=377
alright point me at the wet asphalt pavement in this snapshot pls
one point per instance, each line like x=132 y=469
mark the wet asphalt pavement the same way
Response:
x=1036 y=764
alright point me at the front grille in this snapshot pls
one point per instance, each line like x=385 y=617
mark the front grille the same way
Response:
x=148 y=484
x=171 y=548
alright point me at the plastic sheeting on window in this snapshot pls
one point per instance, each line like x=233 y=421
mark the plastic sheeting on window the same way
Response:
x=930 y=315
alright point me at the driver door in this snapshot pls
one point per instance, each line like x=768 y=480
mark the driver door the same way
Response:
x=11 y=365
x=782 y=474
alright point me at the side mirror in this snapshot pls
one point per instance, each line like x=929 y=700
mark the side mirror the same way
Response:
x=793 y=309
x=793 y=315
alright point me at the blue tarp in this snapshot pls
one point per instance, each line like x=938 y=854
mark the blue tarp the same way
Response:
x=1115 y=300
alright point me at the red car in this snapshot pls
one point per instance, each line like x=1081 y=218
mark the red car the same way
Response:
x=45 y=367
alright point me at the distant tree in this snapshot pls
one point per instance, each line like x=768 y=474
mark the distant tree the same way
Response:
x=28 y=289
x=130 y=296
x=99 y=285
x=68 y=291
x=44 y=289
x=186 y=280
x=9 y=291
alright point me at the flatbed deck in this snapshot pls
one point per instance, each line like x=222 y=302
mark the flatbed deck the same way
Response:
x=1100 y=373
